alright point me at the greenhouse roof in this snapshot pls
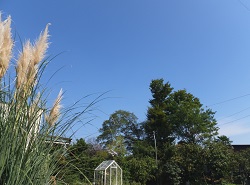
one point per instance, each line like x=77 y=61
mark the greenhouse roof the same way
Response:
x=105 y=164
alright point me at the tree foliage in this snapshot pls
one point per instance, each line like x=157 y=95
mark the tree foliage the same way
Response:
x=178 y=115
x=81 y=160
x=120 y=131
x=191 y=123
x=157 y=120
x=241 y=173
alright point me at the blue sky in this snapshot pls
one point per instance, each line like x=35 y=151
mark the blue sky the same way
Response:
x=120 y=46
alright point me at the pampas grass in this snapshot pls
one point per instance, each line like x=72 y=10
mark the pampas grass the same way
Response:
x=41 y=46
x=55 y=111
x=27 y=138
x=6 y=44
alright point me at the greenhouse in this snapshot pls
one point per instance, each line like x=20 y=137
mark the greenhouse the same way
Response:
x=108 y=173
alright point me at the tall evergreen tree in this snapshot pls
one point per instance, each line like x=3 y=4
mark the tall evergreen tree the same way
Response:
x=158 y=125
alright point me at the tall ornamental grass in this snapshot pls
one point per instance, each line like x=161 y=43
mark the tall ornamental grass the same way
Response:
x=28 y=129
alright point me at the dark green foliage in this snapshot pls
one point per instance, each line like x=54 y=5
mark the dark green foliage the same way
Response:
x=157 y=119
x=242 y=167
x=219 y=162
x=173 y=172
x=190 y=159
x=143 y=149
x=160 y=92
x=81 y=160
x=213 y=162
x=141 y=169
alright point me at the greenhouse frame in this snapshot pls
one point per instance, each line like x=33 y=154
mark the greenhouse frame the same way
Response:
x=108 y=173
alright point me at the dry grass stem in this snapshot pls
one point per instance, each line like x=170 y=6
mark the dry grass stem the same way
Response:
x=34 y=114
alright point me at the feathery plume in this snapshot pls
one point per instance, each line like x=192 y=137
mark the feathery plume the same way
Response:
x=25 y=65
x=1 y=32
x=41 y=45
x=6 y=45
x=55 y=111
x=28 y=60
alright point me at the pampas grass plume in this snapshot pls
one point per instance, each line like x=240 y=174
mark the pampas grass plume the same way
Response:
x=41 y=46
x=6 y=45
x=23 y=64
x=55 y=111
x=29 y=58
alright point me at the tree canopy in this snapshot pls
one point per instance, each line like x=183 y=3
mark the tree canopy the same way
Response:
x=121 y=130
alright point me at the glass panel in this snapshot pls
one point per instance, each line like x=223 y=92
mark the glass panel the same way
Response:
x=99 y=178
x=119 y=176
x=113 y=176
x=104 y=165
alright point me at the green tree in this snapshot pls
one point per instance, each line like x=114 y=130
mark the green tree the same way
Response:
x=158 y=125
x=219 y=162
x=159 y=129
x=121 y=129
x=191 y=122
x=175 y=116
x=223 y=139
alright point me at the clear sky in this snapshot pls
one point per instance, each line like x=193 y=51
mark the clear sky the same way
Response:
x=120 y=46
